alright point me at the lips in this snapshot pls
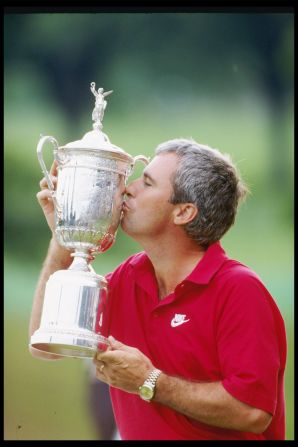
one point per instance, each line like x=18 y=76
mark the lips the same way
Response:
x=125 y=207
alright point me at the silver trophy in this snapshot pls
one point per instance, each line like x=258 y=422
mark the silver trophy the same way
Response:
x=88 y=200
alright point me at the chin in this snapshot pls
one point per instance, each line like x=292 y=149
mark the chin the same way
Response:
x=126 y=229
x=123 y=226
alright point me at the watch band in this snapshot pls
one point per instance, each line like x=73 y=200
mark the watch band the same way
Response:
x=153 y=376
x=149 y=385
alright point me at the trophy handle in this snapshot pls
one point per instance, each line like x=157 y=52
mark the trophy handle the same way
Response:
x=40 y=145
x=141 y=158
x=41 y=142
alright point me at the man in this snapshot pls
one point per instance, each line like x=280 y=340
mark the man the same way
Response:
x=197 y=344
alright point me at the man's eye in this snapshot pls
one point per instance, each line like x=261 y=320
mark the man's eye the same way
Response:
x=146 y=183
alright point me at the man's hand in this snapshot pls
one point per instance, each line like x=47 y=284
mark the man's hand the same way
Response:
x=122 y=366
x=127 y=368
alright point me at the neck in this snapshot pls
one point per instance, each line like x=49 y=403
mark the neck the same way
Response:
x=173 y=261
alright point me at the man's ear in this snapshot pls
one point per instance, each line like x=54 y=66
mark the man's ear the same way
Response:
x=184 y=213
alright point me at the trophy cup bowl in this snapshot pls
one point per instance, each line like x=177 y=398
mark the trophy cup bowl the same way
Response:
x=88 y=200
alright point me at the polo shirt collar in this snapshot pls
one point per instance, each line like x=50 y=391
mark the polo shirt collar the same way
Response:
x=205 y=269
x=210 y=263
x=143 y=272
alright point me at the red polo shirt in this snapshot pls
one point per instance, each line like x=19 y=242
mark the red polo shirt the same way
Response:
x=220 y=324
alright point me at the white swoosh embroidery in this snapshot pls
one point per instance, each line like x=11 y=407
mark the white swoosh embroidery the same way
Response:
x=178 y=323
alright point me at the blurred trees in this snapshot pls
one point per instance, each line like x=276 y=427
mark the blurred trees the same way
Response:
x=202 y=48
x=207 y=53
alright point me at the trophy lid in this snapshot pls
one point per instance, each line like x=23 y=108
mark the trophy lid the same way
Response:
x=96 y=139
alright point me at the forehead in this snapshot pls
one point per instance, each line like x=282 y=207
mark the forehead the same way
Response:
x=162 y=166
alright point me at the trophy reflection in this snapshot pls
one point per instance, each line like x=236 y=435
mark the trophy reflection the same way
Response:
x=92 y=174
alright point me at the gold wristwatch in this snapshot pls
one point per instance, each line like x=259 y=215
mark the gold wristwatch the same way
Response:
x=147 y=390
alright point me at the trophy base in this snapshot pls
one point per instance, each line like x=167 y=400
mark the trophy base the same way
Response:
x=69 y=345
x=69 y=314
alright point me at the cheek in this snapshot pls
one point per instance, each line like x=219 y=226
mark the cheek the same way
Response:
x=149 y=210
x=156 y=216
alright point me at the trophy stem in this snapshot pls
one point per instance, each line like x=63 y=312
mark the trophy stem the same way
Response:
x=80 y=262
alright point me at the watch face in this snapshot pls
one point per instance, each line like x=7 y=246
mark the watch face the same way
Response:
x=146 y=392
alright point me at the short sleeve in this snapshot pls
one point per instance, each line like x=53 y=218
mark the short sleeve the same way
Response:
x=248 y=347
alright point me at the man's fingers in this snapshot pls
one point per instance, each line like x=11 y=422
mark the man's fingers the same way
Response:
x=107 y=356
x=53 y=175
x=44 y=184
x=113 y=354
x=54 y=169
x=99 y=373
x=44 y=197
x=115 y=344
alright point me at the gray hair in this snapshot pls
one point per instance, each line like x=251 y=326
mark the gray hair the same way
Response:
x=208 y=179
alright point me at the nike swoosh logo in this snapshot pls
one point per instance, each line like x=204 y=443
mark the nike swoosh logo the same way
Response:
x=178 y=323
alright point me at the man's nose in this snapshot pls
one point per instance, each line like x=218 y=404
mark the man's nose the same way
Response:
x=130 y=189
